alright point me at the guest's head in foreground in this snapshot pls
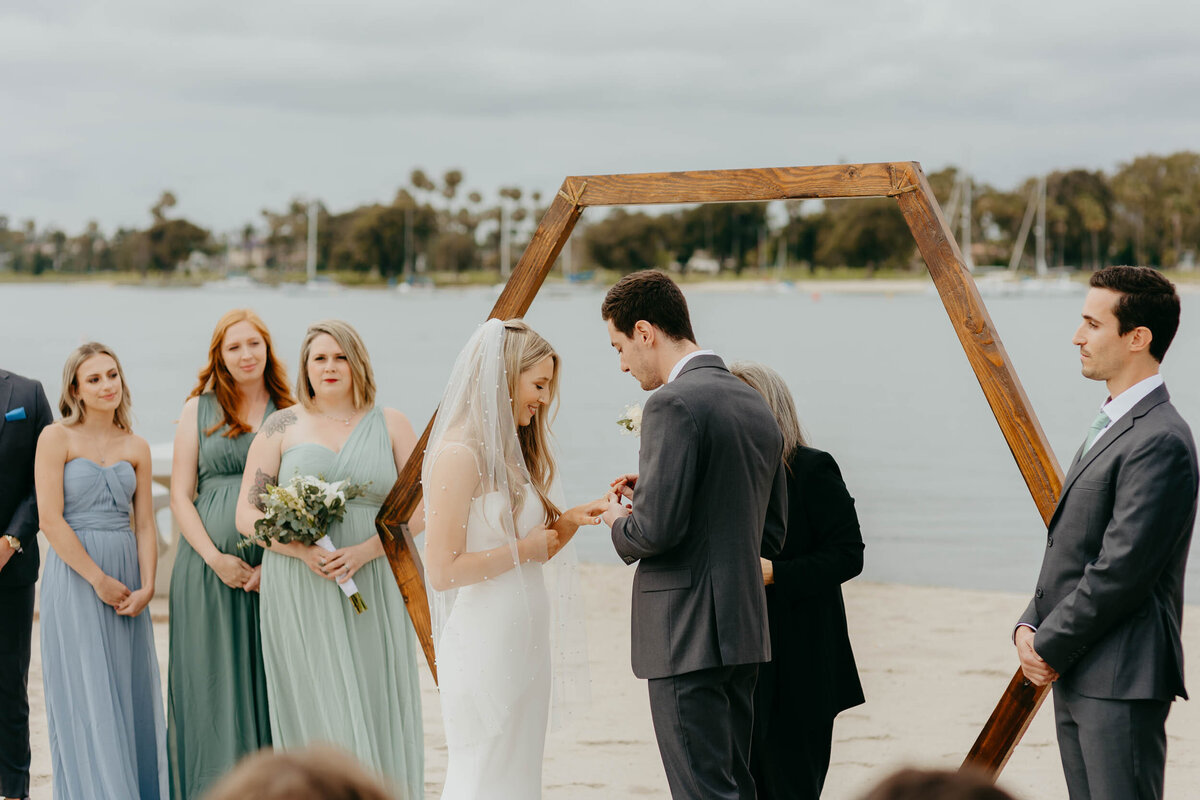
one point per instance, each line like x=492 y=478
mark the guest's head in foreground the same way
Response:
x=1130 y=316
x=94 y=383
x=333 y=366
x=771 y=385
x=648 y=325
x=241 y=359
x=312 y=773
x=919 y=784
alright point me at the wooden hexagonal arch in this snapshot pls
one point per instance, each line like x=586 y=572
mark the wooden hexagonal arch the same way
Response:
x=905 y=181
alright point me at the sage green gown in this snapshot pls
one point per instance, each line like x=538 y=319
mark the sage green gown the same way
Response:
x=333 y=675
x=216 y=689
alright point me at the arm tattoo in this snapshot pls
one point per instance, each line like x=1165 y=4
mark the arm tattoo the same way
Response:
x=261 y=481
x=278 y=422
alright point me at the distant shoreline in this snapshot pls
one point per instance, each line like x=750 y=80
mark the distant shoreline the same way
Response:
x=842 y=280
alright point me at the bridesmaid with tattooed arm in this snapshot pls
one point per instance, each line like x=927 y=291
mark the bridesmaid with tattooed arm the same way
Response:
x=335 y=675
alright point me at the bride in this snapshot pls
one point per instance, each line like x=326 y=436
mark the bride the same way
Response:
x=493 y=521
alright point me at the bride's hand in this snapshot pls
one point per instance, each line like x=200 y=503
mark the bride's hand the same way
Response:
x=587 y=513
x=539 y=545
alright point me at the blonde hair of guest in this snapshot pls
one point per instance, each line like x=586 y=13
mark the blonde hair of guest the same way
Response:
x=362 y=377
x=71 y=407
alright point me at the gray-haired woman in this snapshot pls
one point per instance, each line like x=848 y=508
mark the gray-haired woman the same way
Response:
x=812 y=675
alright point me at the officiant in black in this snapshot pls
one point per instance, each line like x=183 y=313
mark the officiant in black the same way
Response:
x=812 y=676
x=25 y=412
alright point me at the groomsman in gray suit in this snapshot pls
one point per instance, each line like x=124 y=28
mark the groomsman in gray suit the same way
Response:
x=1103 y=624
x=26 y=412
x=709 y=497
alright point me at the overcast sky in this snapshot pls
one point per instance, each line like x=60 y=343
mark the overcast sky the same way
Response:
x=239 y=105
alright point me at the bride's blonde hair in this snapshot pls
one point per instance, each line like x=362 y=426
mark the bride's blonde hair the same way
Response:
x=524 y=348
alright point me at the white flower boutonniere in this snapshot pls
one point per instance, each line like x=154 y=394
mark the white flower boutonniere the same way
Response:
x=631 y=419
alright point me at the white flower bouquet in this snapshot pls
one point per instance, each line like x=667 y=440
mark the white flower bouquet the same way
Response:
x=302 y=512
x=631 y=419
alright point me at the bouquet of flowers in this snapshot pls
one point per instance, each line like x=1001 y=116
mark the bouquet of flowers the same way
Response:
x=631 y=419
x=302 y=512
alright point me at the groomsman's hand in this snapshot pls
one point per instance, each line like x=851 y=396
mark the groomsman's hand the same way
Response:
x=615 y=510
x=768 y=570
x=1036 y=670
x=624 y=485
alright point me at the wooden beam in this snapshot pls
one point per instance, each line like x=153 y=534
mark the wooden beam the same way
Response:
x=392 y=521
x=1013 y=413
x=903 y=180
x=736 y=185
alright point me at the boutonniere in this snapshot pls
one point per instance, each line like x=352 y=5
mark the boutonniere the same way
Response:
x=631 y=419
x=15 y=414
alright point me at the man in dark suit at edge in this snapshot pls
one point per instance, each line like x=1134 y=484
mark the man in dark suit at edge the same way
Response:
x=1104 y=622
x=710 y=493
x=25 y=412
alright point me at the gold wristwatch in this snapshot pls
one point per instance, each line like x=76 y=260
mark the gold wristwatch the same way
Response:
x=13 y=542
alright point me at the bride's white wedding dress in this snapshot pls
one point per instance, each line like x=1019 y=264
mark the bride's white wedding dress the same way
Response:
x=511 y=650
x=494 y=668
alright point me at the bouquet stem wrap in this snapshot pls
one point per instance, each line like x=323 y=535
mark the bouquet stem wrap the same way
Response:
x=348 y=586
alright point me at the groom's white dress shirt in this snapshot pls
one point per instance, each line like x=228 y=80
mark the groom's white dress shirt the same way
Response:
x=675 y=370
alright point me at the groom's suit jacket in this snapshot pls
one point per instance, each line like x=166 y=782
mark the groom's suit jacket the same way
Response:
x=1109 y=600
x=711 y=492
x=24 y=411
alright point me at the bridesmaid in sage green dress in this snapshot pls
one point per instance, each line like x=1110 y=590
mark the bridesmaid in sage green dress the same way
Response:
x=333 y=675
x=216 y=691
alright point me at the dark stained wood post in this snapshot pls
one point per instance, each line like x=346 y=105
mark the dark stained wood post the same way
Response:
x=904 y=181
x=402 y=501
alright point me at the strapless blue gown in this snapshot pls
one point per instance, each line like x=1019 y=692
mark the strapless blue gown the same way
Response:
x=103 y=697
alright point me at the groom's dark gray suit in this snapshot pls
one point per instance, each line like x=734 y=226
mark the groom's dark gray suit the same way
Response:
x=711 y=494
x=1109 y=600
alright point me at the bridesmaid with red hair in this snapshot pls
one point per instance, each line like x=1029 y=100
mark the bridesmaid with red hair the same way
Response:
x=216 y=692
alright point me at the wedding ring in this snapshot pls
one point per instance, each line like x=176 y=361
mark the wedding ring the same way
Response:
x=321 y=561
x=596 y=521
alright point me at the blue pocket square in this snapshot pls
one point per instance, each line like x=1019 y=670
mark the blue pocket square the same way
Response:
x=15 y=414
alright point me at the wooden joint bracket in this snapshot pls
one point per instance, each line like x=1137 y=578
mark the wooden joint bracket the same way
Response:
x=576 y=197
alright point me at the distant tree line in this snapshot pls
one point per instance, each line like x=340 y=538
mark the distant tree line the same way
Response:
x=1147 y=212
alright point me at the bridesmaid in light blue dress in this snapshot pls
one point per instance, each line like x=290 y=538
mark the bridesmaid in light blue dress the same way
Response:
x=103 y=697
x=333 y=675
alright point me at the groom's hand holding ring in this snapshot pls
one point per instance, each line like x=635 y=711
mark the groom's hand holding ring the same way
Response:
x=625 y=484
x=615 y=510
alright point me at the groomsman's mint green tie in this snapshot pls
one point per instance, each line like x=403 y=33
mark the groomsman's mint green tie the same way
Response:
x=1099 y=424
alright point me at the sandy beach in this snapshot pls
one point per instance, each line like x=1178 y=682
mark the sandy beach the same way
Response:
x=933 y=664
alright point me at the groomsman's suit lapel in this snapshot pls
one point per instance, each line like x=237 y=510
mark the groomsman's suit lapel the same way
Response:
x=1157 y=397
x=5 y=393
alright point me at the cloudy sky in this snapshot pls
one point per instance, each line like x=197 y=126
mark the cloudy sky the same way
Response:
x=237 y=105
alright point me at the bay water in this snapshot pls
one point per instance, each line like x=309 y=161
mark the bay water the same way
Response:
x=879 y=378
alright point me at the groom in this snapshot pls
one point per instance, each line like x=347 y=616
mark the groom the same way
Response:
x=710 y=495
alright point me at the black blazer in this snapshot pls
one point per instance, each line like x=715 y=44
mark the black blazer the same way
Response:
x=20 y=397
x=1109 y=600
x=710 y=495
x=812 y=674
